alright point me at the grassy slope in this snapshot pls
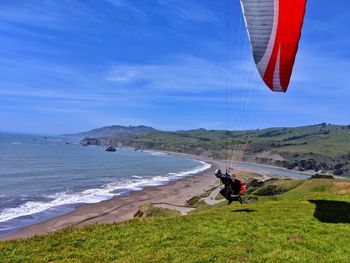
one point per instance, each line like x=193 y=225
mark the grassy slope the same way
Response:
x=324 y=140
x=279 y=229
x=330 y=144
x=323 y=143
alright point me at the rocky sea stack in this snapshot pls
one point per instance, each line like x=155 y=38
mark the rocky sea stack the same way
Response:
x=111 y=149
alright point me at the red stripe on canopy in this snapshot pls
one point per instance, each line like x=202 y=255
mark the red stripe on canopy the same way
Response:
x=290 y=22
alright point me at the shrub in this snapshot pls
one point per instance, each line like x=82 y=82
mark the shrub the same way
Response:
x=338 y=172
x=321 y=176
x=338 y=166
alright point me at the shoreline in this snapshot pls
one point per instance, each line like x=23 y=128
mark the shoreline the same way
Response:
x=123 y=208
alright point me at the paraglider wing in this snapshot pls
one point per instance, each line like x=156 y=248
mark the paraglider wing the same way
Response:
x=274 y=30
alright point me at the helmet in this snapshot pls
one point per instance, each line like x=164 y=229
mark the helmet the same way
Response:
x=217 y=172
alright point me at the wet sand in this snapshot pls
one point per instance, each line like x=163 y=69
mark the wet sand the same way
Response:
x=122 y=208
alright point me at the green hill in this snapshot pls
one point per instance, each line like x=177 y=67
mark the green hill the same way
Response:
x=321 y=147
x=123 y=132
x=310 y=223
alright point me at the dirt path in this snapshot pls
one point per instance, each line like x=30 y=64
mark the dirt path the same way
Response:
x=211 y=199
x=184 y=210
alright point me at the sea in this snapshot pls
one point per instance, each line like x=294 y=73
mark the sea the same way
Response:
x=43 y=176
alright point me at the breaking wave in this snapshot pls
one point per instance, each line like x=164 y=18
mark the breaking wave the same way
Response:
x=95 y=195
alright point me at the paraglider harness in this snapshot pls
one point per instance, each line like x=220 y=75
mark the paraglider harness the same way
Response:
x=233 y=187
x=238 y=183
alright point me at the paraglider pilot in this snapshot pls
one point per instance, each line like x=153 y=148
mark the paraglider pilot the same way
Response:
x=232 y=188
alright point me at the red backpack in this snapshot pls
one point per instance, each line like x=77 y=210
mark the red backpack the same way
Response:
x=243 y=187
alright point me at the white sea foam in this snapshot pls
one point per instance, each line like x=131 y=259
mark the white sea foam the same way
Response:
x=204 y=166
x=155 y=153
x=95 y=195
x=16 y=143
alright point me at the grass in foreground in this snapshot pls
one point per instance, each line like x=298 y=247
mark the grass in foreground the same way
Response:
x=310 y=223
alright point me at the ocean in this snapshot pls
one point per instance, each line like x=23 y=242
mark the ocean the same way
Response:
x=42 y=177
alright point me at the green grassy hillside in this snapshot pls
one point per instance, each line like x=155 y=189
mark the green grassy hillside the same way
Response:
x=310 y=223
x=320 y=147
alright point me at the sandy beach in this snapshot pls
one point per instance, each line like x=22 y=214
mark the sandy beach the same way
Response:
x=122 y=208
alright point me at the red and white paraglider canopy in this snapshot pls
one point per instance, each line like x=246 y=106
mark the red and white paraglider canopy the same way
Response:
x=274 y=29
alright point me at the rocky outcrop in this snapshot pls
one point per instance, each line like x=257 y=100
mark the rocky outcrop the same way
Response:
x=149 y=210
x=90 y=141
x=111 y=149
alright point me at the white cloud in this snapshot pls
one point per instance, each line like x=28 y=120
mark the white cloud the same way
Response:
x=174 y=12
x=320 y=74
x=46 y=14
x=186 y=74
x=51 y=94
x=189 y=10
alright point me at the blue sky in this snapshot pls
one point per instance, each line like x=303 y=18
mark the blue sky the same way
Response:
x=69 y=66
